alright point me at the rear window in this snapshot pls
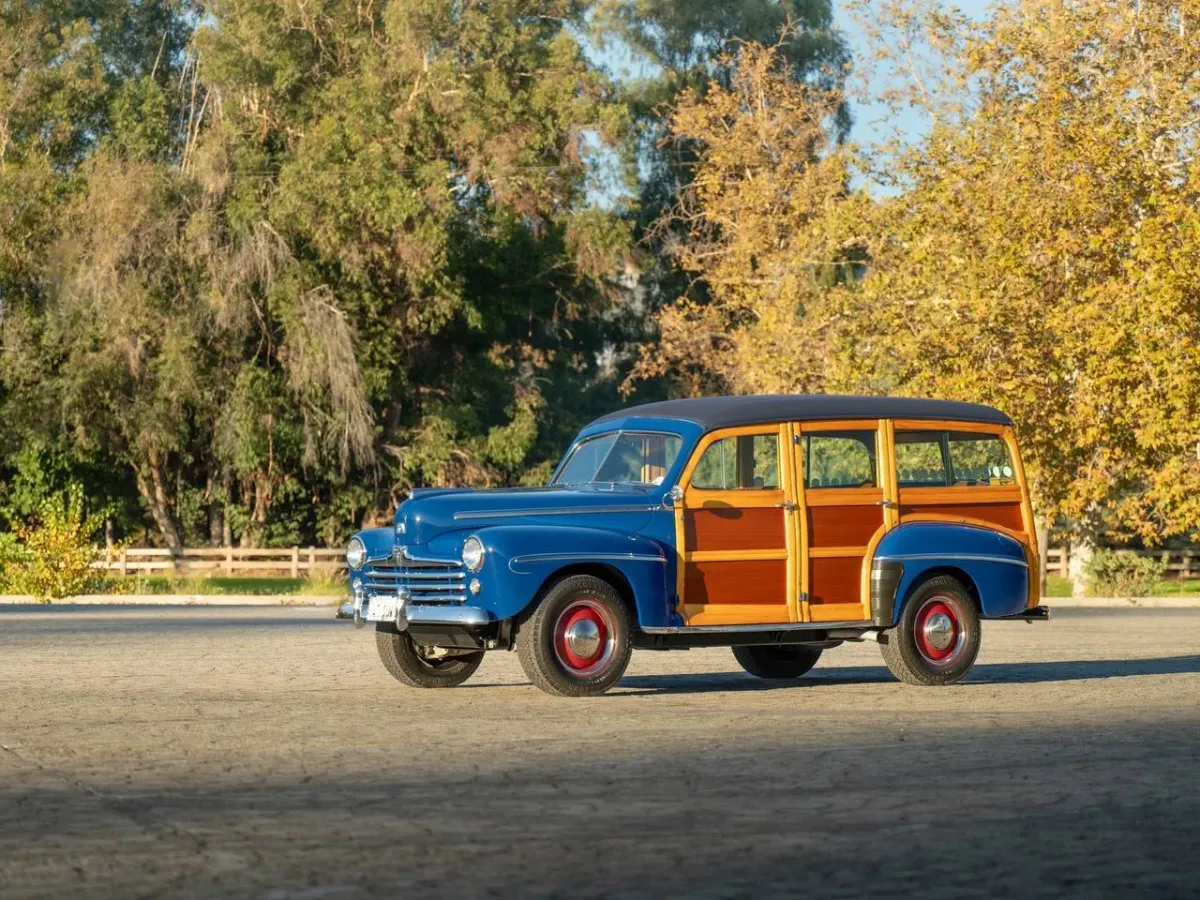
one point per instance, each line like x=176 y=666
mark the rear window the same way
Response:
x=951 y=458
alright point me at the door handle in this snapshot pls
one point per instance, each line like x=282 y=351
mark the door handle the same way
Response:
x=887 y=504
x=787 y=506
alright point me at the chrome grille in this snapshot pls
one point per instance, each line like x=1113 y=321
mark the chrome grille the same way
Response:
x=425 y=580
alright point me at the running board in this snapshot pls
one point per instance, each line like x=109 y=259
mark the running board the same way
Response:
x=747 y=629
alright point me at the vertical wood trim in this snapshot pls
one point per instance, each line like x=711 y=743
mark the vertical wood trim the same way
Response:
x=680 y=549
x=803 y=611
x=1035 y=568
x=791 y=486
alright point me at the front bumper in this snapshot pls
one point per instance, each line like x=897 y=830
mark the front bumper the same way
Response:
x=402 y=612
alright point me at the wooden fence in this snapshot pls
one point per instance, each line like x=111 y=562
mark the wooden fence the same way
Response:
x=1180 y=564
x=298 y=562
x=295 y=562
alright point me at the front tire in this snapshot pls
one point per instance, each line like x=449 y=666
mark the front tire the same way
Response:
x=575 y=642
x=786 y=661
x=412 y=666
x=937 y=639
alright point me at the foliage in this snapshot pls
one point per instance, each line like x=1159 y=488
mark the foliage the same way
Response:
x=56 y=551
x=265 y=266
x=1112 y=573
x=1031 y=251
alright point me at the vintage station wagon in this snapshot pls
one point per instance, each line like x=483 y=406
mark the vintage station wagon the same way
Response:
x=779 y=526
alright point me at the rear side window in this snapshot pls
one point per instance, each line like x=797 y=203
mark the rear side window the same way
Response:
x=839 y=459
x=745 y=462
x=920 y=459
x=979 y=459
x=944 y=458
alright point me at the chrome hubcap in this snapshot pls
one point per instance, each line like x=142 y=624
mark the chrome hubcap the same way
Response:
x=939 y=631
x=583 y=637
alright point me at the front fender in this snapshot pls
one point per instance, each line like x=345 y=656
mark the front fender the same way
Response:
x=520 y=558
x=994 y=563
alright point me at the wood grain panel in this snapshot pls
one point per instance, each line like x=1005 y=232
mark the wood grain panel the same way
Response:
x=1007 y=515
x=752 y=582
x=731 y=528
x=835 y=580
x=843 y=526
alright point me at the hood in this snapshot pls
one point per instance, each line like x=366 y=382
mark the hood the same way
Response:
x=429 y=513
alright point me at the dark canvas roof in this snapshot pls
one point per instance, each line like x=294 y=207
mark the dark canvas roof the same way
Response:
x=724 y=412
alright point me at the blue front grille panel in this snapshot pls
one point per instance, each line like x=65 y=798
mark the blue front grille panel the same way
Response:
x=426 y=581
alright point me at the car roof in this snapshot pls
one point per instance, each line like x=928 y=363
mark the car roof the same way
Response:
x=757 y=409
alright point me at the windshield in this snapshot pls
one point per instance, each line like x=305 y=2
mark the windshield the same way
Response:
x=621 y=457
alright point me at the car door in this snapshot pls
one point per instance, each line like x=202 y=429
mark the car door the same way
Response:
x=733 y=523
x=846 y=503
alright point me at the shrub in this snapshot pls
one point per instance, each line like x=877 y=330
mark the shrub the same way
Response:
x=1111 y=573
x=55 y=554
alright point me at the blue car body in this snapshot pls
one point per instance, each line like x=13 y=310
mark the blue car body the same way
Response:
x=628 y=535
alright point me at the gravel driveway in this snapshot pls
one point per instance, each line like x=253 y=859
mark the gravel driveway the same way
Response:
x=266 y=753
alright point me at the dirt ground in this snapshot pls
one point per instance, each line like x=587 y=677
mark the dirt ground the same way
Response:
x=266 y=753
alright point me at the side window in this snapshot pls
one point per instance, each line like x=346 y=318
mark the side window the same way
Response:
x=979 y=459
x=745 y=462
x=920 y=461
x=839 y=459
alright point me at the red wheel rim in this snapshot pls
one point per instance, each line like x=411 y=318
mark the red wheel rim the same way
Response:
x=584 y=637
x=938 y=631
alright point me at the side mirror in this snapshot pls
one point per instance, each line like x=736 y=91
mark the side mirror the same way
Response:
x=672 y=497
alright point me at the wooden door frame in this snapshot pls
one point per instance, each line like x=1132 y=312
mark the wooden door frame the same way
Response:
x=747 y=498
x=885 y=472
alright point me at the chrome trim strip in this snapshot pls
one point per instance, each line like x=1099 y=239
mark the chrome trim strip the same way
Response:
x=420 y=576
x=560 y=511
x=974 y=557
x=744 y=629
x=403 y=553
x=617 y=557
x=470 y=616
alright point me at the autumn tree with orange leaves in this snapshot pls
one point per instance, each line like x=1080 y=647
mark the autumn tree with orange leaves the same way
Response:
x=1037 y=252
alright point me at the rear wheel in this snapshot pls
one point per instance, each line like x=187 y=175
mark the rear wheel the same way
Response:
x=937 y=639
x=424 y=667
x=780 y=662
x=575 y=642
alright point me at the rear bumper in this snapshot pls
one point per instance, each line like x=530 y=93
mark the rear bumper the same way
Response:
x=1036 y=614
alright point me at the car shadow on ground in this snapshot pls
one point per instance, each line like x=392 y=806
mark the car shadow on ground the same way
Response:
x=987 y=673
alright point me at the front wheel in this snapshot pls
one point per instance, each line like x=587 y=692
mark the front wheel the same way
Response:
x=423 y=667
x=780 y=662
x=575 y=642
x=937 y=639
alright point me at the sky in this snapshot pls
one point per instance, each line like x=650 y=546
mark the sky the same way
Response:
x=872 y=122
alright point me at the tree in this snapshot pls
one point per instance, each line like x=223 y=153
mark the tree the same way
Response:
x=755 y=231
x=1034 y=256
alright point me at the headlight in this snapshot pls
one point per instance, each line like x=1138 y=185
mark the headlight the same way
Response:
x=356 y=553
x=472 y=555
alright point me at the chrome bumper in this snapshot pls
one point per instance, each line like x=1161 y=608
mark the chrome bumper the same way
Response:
x=407 y=613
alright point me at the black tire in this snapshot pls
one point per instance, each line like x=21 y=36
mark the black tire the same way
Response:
x=404 y=661
x=913 y=653
x=781 y=661
x=545 y=650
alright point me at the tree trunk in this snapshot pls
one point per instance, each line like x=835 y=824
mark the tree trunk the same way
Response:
x=216 y=511
x=151 y=485
x=226 y=524
x=262 y=490
x=1043 y=549
x=1083 y=548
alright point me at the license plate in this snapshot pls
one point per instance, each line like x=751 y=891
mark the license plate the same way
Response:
x=380 y=609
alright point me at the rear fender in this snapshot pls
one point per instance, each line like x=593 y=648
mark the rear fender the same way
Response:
x=991 y=564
